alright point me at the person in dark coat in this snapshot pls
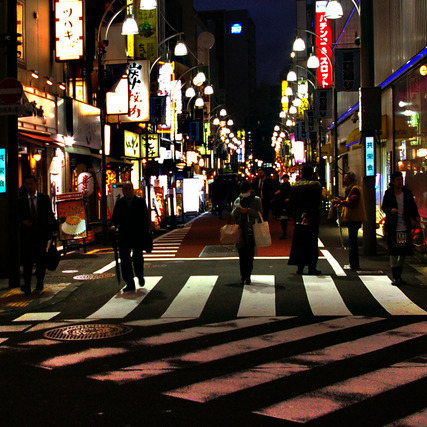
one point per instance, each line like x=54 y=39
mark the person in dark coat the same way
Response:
x=263 y=187
x=37 y=224
x=246 y=210
x=130 y=215
x=281 y=197
x=305 y=201
x=401 y=215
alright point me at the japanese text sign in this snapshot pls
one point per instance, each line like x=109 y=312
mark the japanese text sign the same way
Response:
x=2 y=170
x=68 y=29
x=369 y=156
x=139 y=91
x=323 y=46
x=132 y=144
x=151 y=144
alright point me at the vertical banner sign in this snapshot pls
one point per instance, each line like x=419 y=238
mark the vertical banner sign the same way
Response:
x=153 y=146
x=347 y=70
x=323 y=104
x=139 y=91
x=68 y=30
x=323 y=46
x=369 y=156
x=145 y=43
x=2 y=170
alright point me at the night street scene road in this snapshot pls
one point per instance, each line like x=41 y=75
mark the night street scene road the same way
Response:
x=213 y=213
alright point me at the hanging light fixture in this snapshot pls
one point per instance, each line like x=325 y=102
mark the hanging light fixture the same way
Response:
x=209 y=90
x=223 y=112
x=293 y=110
x=284 y=99
x=190 y=92
x=289 y=91
x=282 y=114
x=313 y=62
x=296 y=102
x=148 y=4
x=49 y=80
x=199 y=102
x=199 y=79
x=289 y=122
x=299 y=45
x=130 y=26
x=216 y=121
x=62 y=86
x=230 y=122
x=333 y=10
x=180 y=49
x=292 y=76
x=34 y=74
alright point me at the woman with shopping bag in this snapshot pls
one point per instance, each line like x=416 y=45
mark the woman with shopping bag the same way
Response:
x=246 y=211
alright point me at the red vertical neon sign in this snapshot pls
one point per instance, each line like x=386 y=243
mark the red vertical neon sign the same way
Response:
x=323 y=46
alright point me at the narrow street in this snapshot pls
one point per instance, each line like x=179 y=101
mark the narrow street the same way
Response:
x=194 y=346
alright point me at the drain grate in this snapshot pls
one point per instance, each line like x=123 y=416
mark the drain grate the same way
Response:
x=94 y=276
x=218 y=251
x=87 y=332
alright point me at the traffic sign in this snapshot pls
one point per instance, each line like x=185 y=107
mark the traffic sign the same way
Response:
x=10 y=91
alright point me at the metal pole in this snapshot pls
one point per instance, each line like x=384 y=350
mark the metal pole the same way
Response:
x=12 y=155
x=368 y=80
x=336 y=150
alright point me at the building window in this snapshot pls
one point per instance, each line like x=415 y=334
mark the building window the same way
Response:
x=410 y=133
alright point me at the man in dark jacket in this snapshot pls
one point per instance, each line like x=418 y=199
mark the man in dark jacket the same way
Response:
x=304 y=200
x=131 y=216
x=37 y=222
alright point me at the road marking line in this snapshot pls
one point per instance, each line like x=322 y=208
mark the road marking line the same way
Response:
x=323 y=297
x=258 y=298
x=391 y=297
x=333 y=262
x=29 y=317
x=192 y=298
x=222 y=351
x=123 y=303
x=345 y=393
x=213 y=388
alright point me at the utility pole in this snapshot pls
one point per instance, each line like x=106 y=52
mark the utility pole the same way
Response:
x=9 y=201
x=370 y=118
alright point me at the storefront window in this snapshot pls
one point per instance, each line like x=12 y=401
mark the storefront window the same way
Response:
x=410 y=133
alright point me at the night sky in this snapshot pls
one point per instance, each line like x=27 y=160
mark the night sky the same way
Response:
x=275 y=30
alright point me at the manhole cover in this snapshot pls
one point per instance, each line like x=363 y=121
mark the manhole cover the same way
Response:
x=218 y=251
x=86 y=332
x=94 y=276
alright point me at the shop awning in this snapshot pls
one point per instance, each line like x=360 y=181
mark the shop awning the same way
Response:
x=353 y=137
x=37 y=139
x=77 y=149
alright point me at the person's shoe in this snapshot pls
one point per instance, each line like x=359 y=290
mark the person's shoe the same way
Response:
x=314 y=272
x=300 y=271
x=26 y=290
x=242 y=281
x=396 y=282
x=128 y=289
x=39 y=287
x=283 y=237
x=141 y=281
x=248 y=280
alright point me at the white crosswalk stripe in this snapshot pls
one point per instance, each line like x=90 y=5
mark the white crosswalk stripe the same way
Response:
x=258 y=298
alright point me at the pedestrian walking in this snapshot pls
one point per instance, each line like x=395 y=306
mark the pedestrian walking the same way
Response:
x=352 y=215
x=401 y=215
x=281 y=197
x=246 y=210
x=130 y=215
x=305 y=201
x=263 y=186
x=37 y=225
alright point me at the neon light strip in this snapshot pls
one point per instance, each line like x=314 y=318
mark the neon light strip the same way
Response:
x=345 y=25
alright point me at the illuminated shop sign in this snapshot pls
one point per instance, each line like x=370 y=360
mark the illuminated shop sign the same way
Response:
x=139 y=91
x=68 y=29
x=132 y=144
x=150 y=148
x=236 y=28
x=369 y=156
x=323 y=46
x=2 y=170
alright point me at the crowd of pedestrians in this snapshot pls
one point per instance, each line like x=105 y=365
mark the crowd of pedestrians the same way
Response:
x=247 y=202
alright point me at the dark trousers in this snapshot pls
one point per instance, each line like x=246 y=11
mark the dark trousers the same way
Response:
x=32 y=252
x=246 y=260
x=353 y=246
x=284 y=225
x=137 y=260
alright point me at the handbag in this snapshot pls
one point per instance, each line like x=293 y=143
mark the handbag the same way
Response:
x=262 y=233
x=52 y=256
x=230 y=234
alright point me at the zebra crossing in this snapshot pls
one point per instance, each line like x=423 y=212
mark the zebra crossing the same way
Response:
x=211 y=295
x=288 y=369
x=167 y=245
